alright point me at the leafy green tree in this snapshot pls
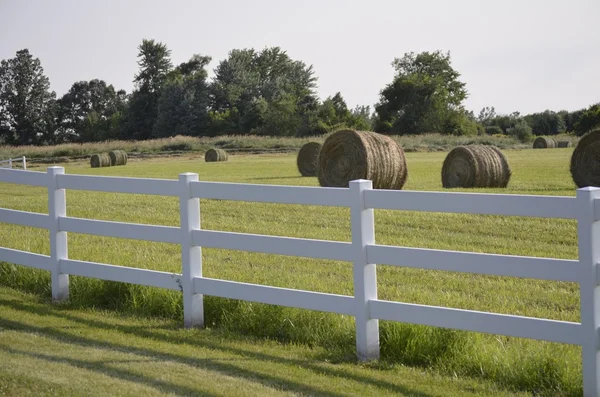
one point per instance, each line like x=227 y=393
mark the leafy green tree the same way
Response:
x=89 y=103
x=249 y=83
x=546 y=123
x=486 y=115
x=183 y=105
x=27 y=106
x=521 y=130
x=155 y=68
x=425 y=96
x=589 y=120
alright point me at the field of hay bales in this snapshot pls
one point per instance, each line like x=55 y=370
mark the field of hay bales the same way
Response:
x=511 y=363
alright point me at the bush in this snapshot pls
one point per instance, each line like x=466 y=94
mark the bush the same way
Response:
x=522 y=131
x=493 y=130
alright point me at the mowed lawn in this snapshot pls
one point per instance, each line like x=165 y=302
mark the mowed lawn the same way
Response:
x=512 y=363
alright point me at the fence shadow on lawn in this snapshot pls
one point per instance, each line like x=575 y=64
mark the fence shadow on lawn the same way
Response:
x=157 y=333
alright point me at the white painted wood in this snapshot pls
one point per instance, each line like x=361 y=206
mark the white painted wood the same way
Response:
x=134 y=231
x=122 y=274
x=469 y=320
x=57 y=207
x=364 y=272
x=308 y=248
x=588 y=230
x=319 y=301
x=470 y=262
x=10 y=163
x=21 y=177
x=474 y=203
x=24 y=258
x=25 y=218
x=24 y=163
x=597 y=209
x=326 y=196
x=159 y=187
x=191 y=255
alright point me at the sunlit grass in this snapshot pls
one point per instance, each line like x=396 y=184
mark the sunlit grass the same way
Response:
x=518 y=364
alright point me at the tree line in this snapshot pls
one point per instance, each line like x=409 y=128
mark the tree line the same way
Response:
x=252 y=92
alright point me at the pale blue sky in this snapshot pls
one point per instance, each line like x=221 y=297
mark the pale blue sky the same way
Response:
x=524 y=55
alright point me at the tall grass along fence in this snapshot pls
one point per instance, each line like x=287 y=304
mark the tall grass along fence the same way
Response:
x=11 y=162
x=362 y=251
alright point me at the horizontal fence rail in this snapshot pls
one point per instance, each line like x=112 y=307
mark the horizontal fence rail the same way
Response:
x=337 y=197
x=123 y=274
x=362 y=251
x=22 y=177
x=159 y=187
x=25 y=218
x=469 y=262
x=275 y=296
x=473 y=203
x=469 y=320
x=25 y=258
x=10 y=162
x=134 y=231
x=322 y=249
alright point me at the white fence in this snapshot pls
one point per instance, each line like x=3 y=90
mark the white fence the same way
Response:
x=362 y=251
x=9 y=163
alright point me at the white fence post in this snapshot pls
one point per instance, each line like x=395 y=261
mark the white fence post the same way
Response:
x=10 y=163
x=191 y=256
x=365 y=274
x=588 y=231
x=24 y=163
x=57 y=207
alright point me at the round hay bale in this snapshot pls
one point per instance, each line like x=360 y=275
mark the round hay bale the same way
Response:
x=347 y=155
x=215 y=155
x=475 y=166
x=543 y=142
x=585 y=161
x=308 y=158
x=118 y=157
x=563 y=144
x=100 y=160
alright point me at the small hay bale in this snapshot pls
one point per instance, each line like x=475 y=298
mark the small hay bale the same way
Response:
x=347 y=155
x=100 y=160
x=475 y=166
x=543 y=142
x=215 y=155
x=563 y=144
x=308 y=159
x=585 y=161
x=118 y=157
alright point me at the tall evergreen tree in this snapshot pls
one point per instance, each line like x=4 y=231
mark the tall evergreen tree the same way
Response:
x=155 y=67
x=27 y=106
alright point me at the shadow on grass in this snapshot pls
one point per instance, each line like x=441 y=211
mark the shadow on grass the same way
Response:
x=227 y=369
x=104 y=367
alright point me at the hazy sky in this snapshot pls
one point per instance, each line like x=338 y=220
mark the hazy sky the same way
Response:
x=525 y=55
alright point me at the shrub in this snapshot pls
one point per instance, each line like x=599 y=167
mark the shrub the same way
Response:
x=493 y=130
x=522 y=131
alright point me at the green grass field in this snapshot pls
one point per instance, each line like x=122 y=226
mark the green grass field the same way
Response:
x=465 y=360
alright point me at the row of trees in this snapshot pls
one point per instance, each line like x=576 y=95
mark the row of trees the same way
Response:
x=253 y=92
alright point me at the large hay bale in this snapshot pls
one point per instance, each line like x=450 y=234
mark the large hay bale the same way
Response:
x=563 y=144
x=347 y=155
x=215 y=155
x=118 y=157
x=475 y=166
x=308 y=158
x=585 y=161
x=543 y=142
x=100 y=160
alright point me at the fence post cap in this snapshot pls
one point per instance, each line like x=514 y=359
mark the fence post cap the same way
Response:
x=188 y=176
x=56 y=170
